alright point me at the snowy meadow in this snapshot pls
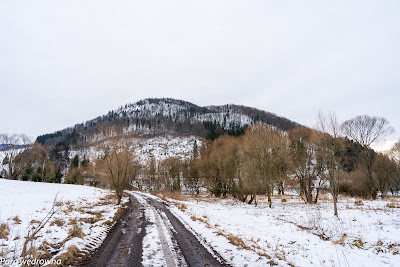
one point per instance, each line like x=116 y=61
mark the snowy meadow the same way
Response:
x=292 y=233
x=81 y=218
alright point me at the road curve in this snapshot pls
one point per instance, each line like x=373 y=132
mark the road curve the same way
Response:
x=150 y=235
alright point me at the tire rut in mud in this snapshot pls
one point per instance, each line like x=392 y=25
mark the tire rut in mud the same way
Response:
x=194 y=252
x=123 y=244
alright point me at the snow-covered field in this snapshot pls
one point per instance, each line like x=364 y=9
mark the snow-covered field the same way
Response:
x=293 y=233
x=85 y=215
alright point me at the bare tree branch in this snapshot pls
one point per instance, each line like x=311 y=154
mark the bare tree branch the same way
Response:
x=367 y=130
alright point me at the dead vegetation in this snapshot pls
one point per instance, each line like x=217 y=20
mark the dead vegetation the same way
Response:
x=4 y=231
x=58 y=222
x=34 y=230
x=75 y=231
x=72 y=257
x=181 y=206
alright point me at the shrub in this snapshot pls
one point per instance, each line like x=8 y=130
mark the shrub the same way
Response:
x=4 y=231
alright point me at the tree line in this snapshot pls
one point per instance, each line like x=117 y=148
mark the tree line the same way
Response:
x=264 y=160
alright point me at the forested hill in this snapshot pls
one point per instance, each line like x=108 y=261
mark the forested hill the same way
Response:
x=166 y=116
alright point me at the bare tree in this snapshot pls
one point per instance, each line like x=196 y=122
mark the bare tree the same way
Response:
x=396 y=151
x=118 y=166
x=170 y=169
x=367 y=130
x=13 y=146
x=386 y=171
x=307 y=166
x=218 y=165
x=330 y=145
x=265 y=151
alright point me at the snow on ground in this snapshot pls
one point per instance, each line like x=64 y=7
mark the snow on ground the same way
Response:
x=159 y=248
x=152 y=249
x=83 y=220
x=297 y=234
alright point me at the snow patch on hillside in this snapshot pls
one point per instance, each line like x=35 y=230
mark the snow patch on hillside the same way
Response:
x=161 y=148
x=158 y=148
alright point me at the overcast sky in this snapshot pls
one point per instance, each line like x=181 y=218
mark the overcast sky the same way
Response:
x=65 y=62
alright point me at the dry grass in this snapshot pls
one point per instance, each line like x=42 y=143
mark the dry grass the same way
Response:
x=253 y=245
x=324 y=197
x=237 y=241
x=358 y=202
x=393 y=205
x=97 y=214
x=58 y=222
x=73 y=221
x=340 y=241
x=359 y=243
x=204 y=220
x=4 y=231
x=108 y=200
x=194 y=218
x=70 y=208
x=182 y=207
x=90 y=220
x=72 y=257
x=75 y=231
x=282 y=197
x=174 y=195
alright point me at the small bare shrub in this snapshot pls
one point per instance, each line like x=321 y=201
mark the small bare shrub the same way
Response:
x=71 y=257
x=237 y=241
x=4 y=231
x=358 y=243
x=341 y=241
x=75 y=231
x=358 y=202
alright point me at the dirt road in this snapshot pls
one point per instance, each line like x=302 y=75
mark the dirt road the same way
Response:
x=150 y=235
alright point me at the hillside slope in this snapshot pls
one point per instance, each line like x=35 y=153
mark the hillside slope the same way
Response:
x=167 y=117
